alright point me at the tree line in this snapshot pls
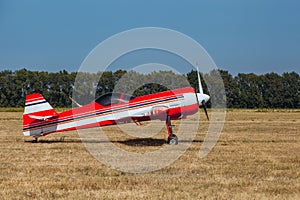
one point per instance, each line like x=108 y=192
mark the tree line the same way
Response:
x=269 y=90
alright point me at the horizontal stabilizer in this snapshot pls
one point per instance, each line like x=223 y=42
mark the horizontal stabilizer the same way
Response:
x=43 y=118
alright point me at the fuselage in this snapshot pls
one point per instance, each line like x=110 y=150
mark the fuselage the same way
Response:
x=116 y=108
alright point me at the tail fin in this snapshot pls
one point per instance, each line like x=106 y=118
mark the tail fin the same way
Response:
x=36 y=108
x=36 y=105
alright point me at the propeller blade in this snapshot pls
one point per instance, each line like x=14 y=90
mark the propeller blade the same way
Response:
x=201 y=96
x=205 y=110
x=199 y=81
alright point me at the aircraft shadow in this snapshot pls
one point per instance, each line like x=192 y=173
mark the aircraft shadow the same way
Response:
x=150 y=142
x=58 y=140
x=142 y=142
x=193 y=141
x=130 y=142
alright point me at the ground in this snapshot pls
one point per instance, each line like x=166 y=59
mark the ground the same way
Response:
x=256 y=157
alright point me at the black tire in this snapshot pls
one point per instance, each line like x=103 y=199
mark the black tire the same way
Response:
x=173 y=140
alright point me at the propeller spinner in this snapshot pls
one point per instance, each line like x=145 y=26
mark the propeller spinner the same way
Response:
x=202 y=98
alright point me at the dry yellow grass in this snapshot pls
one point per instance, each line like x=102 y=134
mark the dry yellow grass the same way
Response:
x=256 y=157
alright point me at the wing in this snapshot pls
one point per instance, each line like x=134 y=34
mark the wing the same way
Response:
x=153 y=111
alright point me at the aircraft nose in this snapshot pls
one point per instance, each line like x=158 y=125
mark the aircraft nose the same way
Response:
x=206 y=97
x=202 y=97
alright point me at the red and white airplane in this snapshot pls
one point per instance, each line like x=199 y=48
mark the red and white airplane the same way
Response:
x=40 y=119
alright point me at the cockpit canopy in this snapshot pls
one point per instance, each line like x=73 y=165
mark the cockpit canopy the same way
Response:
x=113 y=98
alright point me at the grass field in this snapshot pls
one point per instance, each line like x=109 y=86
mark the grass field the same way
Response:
x=257 y=157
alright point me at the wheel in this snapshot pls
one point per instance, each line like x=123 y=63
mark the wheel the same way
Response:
x=173 y=140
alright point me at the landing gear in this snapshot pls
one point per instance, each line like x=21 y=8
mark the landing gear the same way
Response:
x=35 y=139
x=172 y=138
x=62 y=138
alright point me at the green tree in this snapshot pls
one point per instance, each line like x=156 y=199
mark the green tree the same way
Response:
x=216 y=89
x=250 y=95
x=291 y=90
x=231 y=89
x=272 y=90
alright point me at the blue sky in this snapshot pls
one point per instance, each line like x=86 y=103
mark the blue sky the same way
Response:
x=256 y=36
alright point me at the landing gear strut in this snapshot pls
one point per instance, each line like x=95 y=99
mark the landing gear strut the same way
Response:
x=35 y=139
x=172 y=138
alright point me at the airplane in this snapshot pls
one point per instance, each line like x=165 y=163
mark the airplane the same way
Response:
x=40 y=119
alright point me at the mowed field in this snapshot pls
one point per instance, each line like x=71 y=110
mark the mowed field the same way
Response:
x=256 y=157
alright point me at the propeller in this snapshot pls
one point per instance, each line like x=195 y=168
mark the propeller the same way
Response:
x=202 y=98
x=205 y=110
